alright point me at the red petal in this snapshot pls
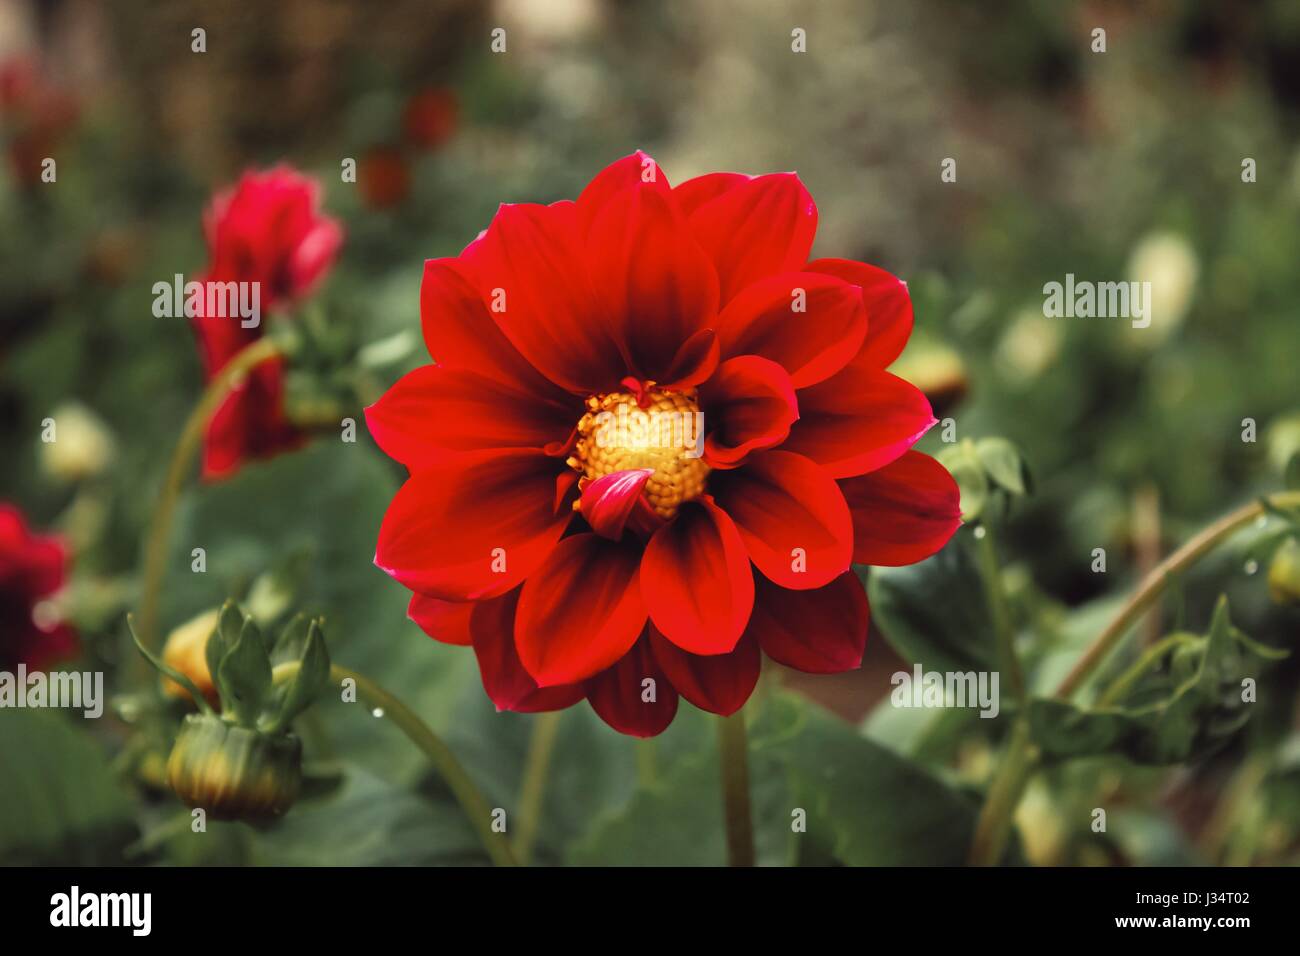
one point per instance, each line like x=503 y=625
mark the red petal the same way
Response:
x=529 y=268
x=446 y=621
x=748 y=405
x=607 y=501
x=651 y=274
x=629 y=173
x=474 y=526
x=859 y=420
x=818 y=632
x=718 y=683
x=756 y=228
x=581 y=611
x=889 y=306
x=460 y=332
x=696 y=580
x=903 y=512
x=434 y=412
x=792 y=516
x=250 y=423
x=694 y=193
x=618 y=694
x=507 y=683
x=695 y=361
x=811 y=345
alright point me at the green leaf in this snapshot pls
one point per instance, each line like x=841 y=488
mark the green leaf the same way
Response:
x=60 y=802
x=935 y=613
x=678 y=820
x=1176 y=716
x=246 y=673
x=1004 y=464
x=369 y=822
x=820 y=793
x=867 y=805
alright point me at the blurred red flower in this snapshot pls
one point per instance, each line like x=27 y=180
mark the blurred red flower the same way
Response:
x=430 y=117
x=580 y=559
x=32 y=569
x=36 y=114
x=384 y=177
x=267 y=229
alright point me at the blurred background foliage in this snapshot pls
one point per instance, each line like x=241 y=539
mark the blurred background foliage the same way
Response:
x=1115 y=165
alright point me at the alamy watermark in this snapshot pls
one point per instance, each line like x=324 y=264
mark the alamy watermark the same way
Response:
x=72 y=689
x=654 y=429
x=1103 y=300
x=210 y=299
x=946 y=689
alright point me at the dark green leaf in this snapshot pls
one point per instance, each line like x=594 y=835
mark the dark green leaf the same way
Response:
x=60 y=802
x=935 y=613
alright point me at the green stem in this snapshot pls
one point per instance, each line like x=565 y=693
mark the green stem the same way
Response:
x=444 y=761
x=733 y=750
x=155 y=548
x=1019 y=759
x=994 y=825
x=991 y=571
x=533 y=788
x=1154 y=584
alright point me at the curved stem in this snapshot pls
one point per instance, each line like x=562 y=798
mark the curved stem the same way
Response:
x=733 y=750
x=1018 y=761
x=533 y=788
x=444 y=761
x=155 y=548
x=1154 y=584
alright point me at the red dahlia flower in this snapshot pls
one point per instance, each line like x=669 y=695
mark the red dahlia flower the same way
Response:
x=553 y=521
x=31 y=570
x=268 y=229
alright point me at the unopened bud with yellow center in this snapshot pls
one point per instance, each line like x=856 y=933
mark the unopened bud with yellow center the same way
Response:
x=185 y=651
x=233 y=773
x=1284 y=573
x=663 y=432
x=242 y=763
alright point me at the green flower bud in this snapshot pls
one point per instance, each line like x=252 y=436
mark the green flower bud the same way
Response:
x=1284 y=573
x=234 y=773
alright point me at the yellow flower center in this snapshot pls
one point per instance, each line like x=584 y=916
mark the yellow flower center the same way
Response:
x=664 y=431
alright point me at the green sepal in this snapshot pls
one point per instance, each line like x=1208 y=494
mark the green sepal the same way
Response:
x=245 y=675
x=309 y=683
x=167 y=669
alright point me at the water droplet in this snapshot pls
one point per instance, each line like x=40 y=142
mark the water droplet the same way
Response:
x=1261 y=521
x=378 y=712
x=980 y=532
x=1252 y=566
